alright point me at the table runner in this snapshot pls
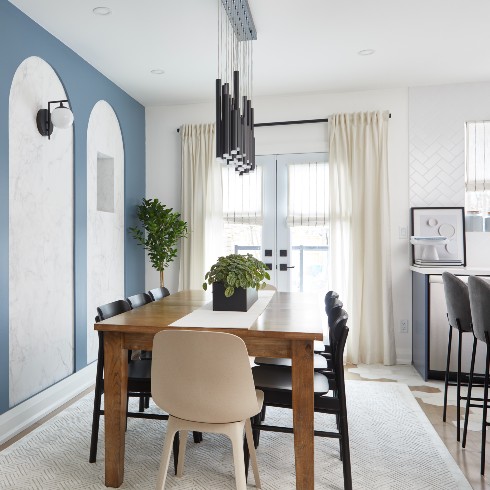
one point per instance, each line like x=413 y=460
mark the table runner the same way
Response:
x=205 y=317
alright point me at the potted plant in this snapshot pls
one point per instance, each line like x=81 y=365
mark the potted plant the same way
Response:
x=236 y=280
x=162 y=229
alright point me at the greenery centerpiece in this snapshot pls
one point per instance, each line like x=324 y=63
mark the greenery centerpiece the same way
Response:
x=236 y=279
x=161 y=229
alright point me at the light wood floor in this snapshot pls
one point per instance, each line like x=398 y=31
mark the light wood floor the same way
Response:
x=468 y=459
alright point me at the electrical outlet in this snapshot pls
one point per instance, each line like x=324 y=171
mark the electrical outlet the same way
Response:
x=404 y=326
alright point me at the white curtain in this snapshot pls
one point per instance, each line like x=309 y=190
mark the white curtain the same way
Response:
x=360 y=267
x=202 y=204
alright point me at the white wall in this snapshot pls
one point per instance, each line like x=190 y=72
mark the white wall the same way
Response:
x=41 y=327
x=163 y=176
x=437 y=150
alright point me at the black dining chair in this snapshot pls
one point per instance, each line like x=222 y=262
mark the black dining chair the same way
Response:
x=331 y=297
x=479 y=293
x=276 y=383
x=139 y=378
x=158 y=293
x=138 y=300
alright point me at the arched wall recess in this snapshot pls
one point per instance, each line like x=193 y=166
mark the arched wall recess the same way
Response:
x=41 y=311
x=105 y=215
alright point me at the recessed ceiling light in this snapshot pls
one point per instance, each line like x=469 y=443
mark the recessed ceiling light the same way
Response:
x=101 y=10
x=158 y=71
x=366 y=52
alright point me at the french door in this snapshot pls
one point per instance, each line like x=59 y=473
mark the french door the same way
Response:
x=280 y=215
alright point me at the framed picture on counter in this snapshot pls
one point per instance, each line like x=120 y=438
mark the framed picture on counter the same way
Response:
x=438 y=237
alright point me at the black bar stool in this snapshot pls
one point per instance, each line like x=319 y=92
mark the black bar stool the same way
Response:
x=459 y=317
x=479 y=293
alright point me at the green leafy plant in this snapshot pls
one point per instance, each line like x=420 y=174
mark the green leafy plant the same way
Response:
x=236 y=271
x=162 y=229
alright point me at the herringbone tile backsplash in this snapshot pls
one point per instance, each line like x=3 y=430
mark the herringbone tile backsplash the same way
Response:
x=437 y=141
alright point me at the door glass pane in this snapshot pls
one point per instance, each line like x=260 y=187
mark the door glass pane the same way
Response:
x=307 y=222
x=243 y=239
x=309 y=250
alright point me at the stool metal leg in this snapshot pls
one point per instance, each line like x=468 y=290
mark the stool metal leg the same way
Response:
x=485 y=403
x=458 y=387
x=446 y=378
x=468 y=397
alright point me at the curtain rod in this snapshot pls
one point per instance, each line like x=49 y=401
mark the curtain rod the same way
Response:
x=288 y=123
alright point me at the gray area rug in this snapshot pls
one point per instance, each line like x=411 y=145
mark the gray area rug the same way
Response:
x=393 y=446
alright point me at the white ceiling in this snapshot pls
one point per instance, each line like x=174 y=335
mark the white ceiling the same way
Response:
x=303 y=45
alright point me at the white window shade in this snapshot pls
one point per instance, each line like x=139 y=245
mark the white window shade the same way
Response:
x=477 y=175
x=307 y=194
x=242 y=196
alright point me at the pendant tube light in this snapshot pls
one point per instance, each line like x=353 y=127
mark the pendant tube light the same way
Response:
x=226 y=122
x=234 y=126
x=219 y=155
x=234 y=132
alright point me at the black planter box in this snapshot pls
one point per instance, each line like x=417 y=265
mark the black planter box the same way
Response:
x=241 y=300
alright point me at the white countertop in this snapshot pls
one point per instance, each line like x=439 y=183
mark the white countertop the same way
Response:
x=461 y=271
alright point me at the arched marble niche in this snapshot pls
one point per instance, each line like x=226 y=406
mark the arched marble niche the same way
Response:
x=105 y=215
x=41 y=318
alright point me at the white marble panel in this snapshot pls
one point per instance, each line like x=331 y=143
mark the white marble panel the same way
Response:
x=105 y=229
x=41 y=325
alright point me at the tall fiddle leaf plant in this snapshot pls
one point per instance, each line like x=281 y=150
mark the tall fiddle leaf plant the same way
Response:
x=161 y=229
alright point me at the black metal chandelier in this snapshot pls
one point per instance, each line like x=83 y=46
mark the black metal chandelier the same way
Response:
x=235 y=140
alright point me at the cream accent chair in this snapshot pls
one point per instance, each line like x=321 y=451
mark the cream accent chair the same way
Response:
x=204 y=382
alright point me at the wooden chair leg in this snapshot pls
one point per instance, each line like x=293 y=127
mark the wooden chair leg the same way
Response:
x=256 y=432
x=95 y=423
x=345 y=449
x=182 y=446
x=468 y=395
x=167 y=448
x=458 y=388
x=246 y=456
x=142 y=404
x=176 y=447
x=346 y=465
x=262 y=413
x=147 y=402
x=446 y=377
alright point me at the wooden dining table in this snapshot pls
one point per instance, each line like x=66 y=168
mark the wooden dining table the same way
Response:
x=286 y=328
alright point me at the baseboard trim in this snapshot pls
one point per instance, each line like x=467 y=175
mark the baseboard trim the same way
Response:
x=22 y=416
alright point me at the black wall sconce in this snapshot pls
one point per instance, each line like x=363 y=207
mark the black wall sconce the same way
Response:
x=61 y=117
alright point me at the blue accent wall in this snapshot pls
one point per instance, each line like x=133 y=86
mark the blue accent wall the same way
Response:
x=21 y=38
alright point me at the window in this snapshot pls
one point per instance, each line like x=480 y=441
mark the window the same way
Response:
x=242 y=211
x=477 y=174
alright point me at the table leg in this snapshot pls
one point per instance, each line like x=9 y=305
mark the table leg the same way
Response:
x=302 y=373
x=115 y=395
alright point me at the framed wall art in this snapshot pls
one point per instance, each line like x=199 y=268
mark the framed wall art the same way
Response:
x=438 y=237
